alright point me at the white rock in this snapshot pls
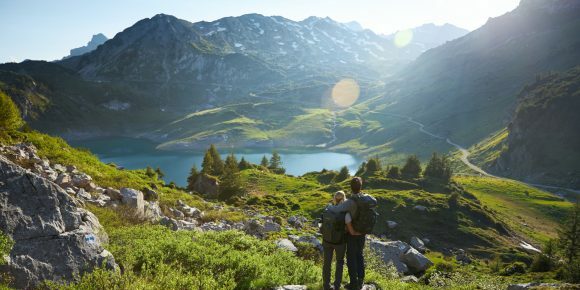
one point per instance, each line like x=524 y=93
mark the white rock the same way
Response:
x=133 y=198
x=392 y=224
x=419 y=208
x=286 y=244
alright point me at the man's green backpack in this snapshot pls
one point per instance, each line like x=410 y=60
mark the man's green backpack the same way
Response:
x=366 y=213
x=333 y=227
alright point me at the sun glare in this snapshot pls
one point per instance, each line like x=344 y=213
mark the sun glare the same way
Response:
x=345 y=93
x=403 y=38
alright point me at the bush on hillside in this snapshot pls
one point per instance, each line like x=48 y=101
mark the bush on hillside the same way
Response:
x=514 y=268
x=412 y=168
x=10 y=118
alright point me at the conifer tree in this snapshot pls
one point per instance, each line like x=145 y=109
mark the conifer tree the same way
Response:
x=343 y=174
x=412 y=168
x=244 y=164
x=394 y=172
x=275 y=161
x=218 y=164
x=373 y=165
x=438 y=167
x=230 y=184
x=207 y=164
x=569 y=235
x=160 y=173
x=264 y=163
x=150 y=172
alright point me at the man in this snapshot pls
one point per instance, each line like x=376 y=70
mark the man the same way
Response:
x=360 y=207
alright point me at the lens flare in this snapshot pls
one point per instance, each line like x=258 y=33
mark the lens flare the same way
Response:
x=403 y=38
x=345 y=93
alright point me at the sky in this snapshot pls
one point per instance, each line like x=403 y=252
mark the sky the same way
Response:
x=48 y=29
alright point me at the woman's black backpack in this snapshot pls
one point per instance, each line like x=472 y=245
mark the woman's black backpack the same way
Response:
x=366 y=213
x=333 y=227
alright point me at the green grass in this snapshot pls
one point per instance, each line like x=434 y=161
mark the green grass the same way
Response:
x=527 y=210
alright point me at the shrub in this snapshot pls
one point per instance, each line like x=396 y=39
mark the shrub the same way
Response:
x=9 y=114
x=514 y=268
x=444 y=266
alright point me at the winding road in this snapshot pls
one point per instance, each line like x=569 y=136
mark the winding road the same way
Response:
x=465 y=154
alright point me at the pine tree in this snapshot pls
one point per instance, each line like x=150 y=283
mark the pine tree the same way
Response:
x=230 y=184
x=160 y=173
x=343 y=174
x=244 y=164
x=569 y=235
x=207 y=164
x=373 y=165
x=361 y=169
x=412 y=168
x=192 y=178
x=394 y=173
x=264 y=163
x=439 y=167
x=218 y=164
x=9 y=114
x=275 y=161
x=150 y=172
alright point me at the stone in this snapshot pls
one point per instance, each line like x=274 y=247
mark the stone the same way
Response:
x=169 y=223
x=368 y=287
x=71 y=169
x=133 y=198
x=462 y=257
x=286 y=244
x=291 y=287
x=50 y=174
x=100 y=190
x=416 y=262
x=426 y=241
x=81 y=180
x=177 y=213
x=206 y=185
x=392 y=224
x=215 y=226
x=297 y=221
x=270 y=226
x=311 y=240
x=59 y=168
x=114 y=194
x=390 y=252
x=410 y=279
x=83 y=194
x=192 y=212
x=64 y=180
x=186 y=226
x=153 y=211
x=418 y=244
x=538 y=285
x=419 y=208
x=150 y=195
x=54 y=239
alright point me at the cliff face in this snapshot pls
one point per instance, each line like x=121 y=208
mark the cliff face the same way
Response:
x=544 y=136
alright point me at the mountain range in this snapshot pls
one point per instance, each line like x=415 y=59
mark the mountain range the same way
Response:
x=258 y=81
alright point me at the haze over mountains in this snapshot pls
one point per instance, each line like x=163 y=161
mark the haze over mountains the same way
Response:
x=257 y=81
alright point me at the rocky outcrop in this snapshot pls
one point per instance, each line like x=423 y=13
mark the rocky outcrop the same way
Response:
x=207 y=185
x=400 y=255
x=54 y=238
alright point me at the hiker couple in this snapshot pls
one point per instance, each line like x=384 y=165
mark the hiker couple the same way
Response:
x=345 y=224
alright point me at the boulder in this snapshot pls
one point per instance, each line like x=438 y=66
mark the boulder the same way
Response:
x=462 y=257
x=291 y=287
x=64 y=180
x=192 y=212
x=392 y=224
x=416 y=262
x=419 y=208
x=286 y=244
x=114 y=194
x=54 y=239
x=270 y=226
x=177 y=213
x=59 y=168
x=83 y=194
x=297 y=221
x=418 y=244
x=390 y=252
x=169 y=222
x=215 y=226
x=71 y=169
x=150 y=195
x=410 y=279
x=81 y=180
x=538 y=285
x=207 y=185
x=133 y=198
x=311 y=240
x=153 y=211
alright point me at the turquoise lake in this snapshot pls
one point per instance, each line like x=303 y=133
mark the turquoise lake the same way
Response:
x=133 y=153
